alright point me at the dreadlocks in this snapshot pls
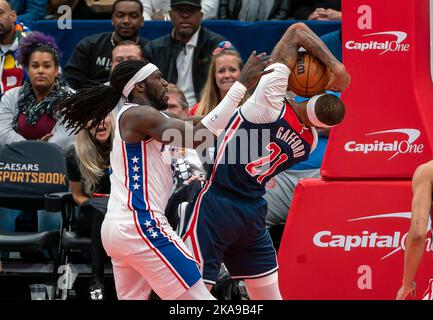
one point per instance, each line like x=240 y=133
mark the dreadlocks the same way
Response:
x=95 y=103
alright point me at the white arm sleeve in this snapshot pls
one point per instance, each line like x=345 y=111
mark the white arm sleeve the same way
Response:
x=267 y=101
x=219 y=117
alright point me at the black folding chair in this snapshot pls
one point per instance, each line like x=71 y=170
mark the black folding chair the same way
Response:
x=28 y=171
x=73 y=246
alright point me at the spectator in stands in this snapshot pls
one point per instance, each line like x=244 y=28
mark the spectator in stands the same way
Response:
x=253 y=10
x=303 y=9
x=183 y=55
x=80 y=10
x=12 y=74
x=26 y=112
x=92 y=10
x=322 y=14
x=87 y=162
x=177 y=103
x=83 y=9
x=90 y=61
x=126 y=50
x=29 y=10
x=159 y=9
x=224 y=70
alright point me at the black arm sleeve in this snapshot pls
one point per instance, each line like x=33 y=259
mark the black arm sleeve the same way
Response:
x=72 y=167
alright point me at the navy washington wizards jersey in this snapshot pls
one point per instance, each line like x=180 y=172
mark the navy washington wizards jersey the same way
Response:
x=249 y=154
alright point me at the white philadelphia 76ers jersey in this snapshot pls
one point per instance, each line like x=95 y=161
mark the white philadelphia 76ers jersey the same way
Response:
x=142 y=174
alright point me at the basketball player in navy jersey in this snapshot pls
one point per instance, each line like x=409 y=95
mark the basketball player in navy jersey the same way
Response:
x=227 y=221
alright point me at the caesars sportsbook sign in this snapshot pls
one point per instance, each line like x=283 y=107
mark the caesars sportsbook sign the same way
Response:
x=31 y=169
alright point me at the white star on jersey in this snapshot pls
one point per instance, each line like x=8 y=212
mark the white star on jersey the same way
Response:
x=135 y=159
x=136 y=177
x=136 y=186
x=135 y=168
x=148 y=223
x=154 y=235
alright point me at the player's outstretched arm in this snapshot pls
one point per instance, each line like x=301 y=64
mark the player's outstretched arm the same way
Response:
x=299 y=35
x=250 y=75
x=139 y=123
x=143 y=122
x=415 y=242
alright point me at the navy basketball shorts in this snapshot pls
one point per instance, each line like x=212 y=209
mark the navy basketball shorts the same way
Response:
x=231 y=229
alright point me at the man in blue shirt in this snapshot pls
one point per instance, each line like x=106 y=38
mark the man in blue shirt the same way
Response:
x=29 y=10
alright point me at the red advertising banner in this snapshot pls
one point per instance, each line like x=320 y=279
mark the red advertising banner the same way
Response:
x=345 y=240
x=388 y=128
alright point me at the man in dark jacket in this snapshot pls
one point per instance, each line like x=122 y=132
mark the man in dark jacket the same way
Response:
x=253 y=10
x=91 y=59
x=302 y=9
x=184 y=55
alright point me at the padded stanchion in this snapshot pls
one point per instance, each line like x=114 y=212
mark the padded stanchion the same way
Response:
x=345 y=240
x=388 y=128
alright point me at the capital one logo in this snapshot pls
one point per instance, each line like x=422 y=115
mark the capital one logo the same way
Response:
x=389 y=243
x=406 y=145
x=387 y=41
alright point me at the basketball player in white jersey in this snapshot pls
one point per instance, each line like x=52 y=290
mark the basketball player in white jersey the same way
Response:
x=146 y=253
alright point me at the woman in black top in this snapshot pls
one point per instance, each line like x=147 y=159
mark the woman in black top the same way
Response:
x=88 y=163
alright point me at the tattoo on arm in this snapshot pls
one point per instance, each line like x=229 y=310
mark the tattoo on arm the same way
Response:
x=299 y=35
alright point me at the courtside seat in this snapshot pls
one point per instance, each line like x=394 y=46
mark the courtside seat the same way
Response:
x=70 y=240
x=30 y=169
x=28 y=241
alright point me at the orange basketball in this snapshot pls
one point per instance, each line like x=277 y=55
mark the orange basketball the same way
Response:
x=309 y=77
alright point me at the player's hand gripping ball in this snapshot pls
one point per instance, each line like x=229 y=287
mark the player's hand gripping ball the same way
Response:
x=309 y=77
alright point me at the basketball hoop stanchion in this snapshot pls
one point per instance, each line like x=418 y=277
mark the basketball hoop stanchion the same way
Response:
x=344 y=235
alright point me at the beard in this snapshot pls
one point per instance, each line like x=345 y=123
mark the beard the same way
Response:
x=4 y=30
x=161 y=106
x=158 y=103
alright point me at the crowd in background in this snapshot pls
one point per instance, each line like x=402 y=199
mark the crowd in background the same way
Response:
x=243 y=10
x=199 y=64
